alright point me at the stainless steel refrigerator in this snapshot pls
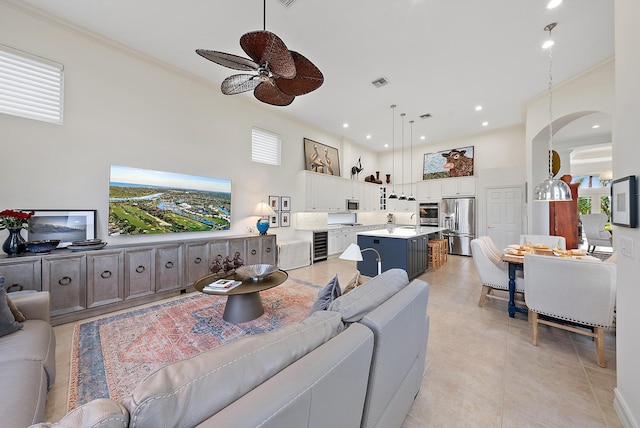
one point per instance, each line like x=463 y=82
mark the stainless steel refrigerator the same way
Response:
x=458 y=216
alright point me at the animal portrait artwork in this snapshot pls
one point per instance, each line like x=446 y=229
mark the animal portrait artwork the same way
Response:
x=321 y=158
x=448 y=163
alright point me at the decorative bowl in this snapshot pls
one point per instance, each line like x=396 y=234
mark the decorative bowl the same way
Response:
x=42 y=246
x=256 y=272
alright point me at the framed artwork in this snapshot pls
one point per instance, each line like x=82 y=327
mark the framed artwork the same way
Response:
x=448 y=163
x=285 y=203
x=65 y=225
x=274 y=220
x=624 y=202
x=274 y=203
x=321 y=158
x=285 y=219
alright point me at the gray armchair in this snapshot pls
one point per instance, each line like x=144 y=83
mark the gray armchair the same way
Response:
x=593 y=226
x=574 y=295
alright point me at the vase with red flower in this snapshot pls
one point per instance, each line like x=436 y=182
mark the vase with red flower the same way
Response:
x=14 y=222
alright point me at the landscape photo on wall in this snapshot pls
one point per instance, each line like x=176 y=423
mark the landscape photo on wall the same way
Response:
x=143 y=201
x=448 y=163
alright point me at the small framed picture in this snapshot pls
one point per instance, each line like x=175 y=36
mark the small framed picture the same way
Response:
x=624 y=202
x=285 y=203
x=274 y=203
x=65 y=225
x=274 y=220
x=285 y=219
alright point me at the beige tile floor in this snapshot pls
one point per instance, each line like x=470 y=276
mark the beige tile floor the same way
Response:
x=482 y=370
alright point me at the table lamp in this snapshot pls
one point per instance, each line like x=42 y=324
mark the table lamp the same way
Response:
x=353 y=252
x=264 y=211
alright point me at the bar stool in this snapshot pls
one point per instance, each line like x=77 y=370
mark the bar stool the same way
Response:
x=433 y=254
x=444 y=250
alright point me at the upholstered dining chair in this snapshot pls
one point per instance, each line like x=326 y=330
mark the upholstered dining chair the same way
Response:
x=593 y=226
x=493 y=272
x=558 y=242
x=492 y=246
x=575 y=295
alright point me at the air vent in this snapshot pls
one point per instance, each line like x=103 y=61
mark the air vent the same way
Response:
x=287 y=2
x=425 y=116
x=380 y=82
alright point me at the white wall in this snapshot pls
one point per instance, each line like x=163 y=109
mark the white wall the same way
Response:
x=124 y=109
x=626 y=129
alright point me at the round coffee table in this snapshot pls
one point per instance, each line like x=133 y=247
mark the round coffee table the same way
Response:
x=243 y=302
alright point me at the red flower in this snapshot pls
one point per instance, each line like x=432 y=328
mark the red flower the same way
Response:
x=11 y=219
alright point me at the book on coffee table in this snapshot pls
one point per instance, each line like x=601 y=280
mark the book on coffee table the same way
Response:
x=222 y=285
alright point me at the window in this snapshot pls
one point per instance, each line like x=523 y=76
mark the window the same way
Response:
x=265 y=147
x=30 y=86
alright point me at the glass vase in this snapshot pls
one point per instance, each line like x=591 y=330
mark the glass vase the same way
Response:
x=14 y=244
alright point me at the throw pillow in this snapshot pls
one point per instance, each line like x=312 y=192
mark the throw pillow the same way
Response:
x=355 y=281
x=8 y=323
x=19 y=316
x=326 y=295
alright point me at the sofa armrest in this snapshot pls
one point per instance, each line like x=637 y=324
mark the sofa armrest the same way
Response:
x=34 y=306
x=101 y=412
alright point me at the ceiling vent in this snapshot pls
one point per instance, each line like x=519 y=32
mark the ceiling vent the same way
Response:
x=425 y=116
x=287 y=2
x=380 y=82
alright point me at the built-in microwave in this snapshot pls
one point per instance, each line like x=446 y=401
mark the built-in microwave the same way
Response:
x=353 y=205
x=429 y=213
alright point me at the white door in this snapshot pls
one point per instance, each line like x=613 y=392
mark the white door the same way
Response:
x=504 y=215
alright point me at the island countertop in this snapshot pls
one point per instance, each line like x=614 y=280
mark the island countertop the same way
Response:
x=402 y=232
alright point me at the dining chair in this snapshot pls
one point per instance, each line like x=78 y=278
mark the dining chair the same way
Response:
x=575 y=295
x=558 y=242
x=593 y=226
x=492 y=246
x=493 y=272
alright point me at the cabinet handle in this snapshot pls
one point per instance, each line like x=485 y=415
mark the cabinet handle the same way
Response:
x=65 y=280
x=268 y=249
x=197 y=260
x=140 y=269
x=106 y=274
x=253 y=252
x=168 y=265
x=18 y=287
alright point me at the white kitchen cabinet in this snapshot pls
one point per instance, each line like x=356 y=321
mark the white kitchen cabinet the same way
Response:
x=327 y=193
x=458 y=186
x=429 y=190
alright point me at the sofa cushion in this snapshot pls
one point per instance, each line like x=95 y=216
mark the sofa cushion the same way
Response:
x=326 y=295
x=186 y=393
x=8 y=323
x=23 y=394
x=368 y=296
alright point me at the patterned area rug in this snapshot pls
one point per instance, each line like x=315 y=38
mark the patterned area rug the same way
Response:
x=110 y=356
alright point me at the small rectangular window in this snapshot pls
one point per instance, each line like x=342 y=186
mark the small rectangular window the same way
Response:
x=265 y=147
x=30 y=86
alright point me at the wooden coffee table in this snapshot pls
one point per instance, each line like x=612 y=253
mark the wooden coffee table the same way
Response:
x=243 y=302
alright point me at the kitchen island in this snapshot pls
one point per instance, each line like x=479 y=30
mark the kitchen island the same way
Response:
x=403 y=247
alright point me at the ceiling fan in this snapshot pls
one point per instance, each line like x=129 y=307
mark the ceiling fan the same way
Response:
x=281 y=74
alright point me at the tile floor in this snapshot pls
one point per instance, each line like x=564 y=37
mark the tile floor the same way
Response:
x=482 y=370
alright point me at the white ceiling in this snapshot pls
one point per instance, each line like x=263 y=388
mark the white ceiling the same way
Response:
x=441 y=57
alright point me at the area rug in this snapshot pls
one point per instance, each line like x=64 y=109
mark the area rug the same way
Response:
x=110 y=356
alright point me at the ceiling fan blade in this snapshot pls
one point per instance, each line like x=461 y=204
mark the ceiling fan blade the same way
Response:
x=265 y=48
x=270 y=94
x=228 y=60
x=239 y=83
x=308 y=77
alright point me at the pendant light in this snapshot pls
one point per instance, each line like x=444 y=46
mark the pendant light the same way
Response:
x=393 y=151
x=411 y=198
x=402 y=197
x=551 y=189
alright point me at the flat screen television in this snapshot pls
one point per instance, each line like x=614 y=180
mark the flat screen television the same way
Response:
x=144 y=202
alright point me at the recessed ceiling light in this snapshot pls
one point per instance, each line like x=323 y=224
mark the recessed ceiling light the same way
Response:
x=422 y=137
x=553 y=4
x=595 y=126
x=478 y=108
x=485 y=123
x=368 y=137
x=547 y=44
x=345 y=125
x=386 y=145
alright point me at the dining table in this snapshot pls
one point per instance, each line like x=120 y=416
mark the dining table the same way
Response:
x=515 y=263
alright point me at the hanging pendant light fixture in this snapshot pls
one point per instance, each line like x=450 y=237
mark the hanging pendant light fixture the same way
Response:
x=402 y=197
x=551 y=189
x=393 y=152
x=411 y=198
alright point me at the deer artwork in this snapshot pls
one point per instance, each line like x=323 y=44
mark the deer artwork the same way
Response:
x=356 y=169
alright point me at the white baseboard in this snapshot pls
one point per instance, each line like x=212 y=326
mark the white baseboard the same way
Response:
x=622 y=409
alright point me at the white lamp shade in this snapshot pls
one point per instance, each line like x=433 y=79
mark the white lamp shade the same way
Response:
x=606 y=176
x=263 y=210
x=352 y=253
